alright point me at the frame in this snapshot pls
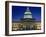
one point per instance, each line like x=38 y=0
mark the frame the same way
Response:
x=11 y=29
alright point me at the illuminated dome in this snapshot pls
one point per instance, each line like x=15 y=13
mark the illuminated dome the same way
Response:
x=27 y=14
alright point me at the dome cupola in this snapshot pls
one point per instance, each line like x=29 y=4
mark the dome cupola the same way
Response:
x=27 y=14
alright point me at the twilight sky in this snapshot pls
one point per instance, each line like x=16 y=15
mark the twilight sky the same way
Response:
x=18 y=12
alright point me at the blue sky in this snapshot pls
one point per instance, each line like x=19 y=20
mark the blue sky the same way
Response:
x=18 y=12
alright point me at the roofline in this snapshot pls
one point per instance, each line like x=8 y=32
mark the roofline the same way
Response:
x=21 y=21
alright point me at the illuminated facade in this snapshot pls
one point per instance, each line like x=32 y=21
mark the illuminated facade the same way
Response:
x=26 y=23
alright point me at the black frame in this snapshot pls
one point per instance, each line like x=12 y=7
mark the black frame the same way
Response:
x=7 y=17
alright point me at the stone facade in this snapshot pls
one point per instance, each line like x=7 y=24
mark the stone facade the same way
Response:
x=26 y=26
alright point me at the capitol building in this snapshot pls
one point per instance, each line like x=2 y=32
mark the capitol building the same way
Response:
x=26 y=23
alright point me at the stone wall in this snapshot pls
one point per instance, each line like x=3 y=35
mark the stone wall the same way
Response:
x=24 y=26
